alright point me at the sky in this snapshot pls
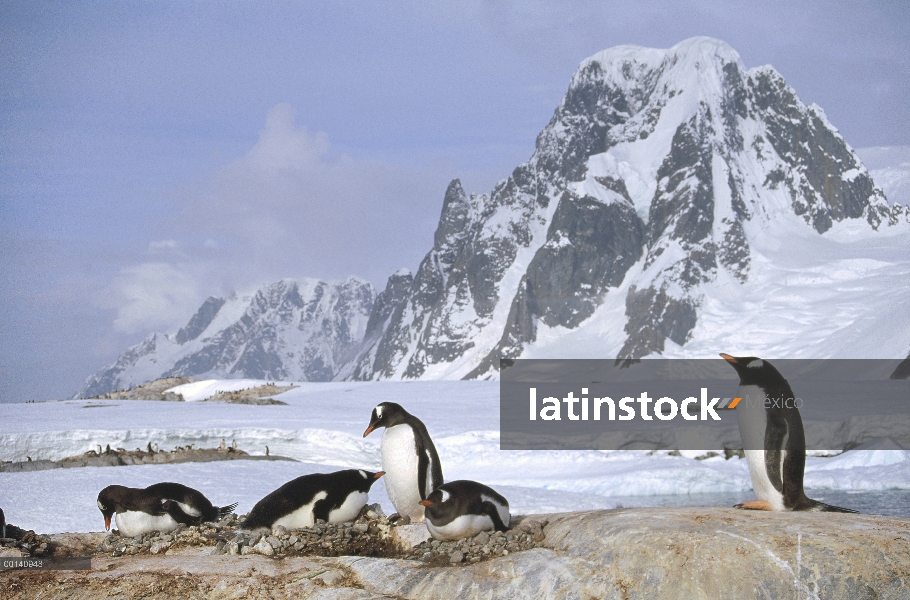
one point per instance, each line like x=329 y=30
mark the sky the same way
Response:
x=156 y=153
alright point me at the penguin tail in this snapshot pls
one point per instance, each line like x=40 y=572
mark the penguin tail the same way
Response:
x=838 y=509
x=226 y=510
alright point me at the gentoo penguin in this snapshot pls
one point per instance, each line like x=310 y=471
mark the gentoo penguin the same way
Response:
x=463 y=508
x=2 y=524
x=191 y=501
x=409 y=459
x=333 y=497
x=140 y=511
x=773 y=438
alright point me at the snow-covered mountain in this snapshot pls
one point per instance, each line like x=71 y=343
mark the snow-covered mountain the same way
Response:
x=677 y=203
x=300 y=331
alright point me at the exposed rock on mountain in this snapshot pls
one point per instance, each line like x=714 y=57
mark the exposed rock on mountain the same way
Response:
x=302 y=331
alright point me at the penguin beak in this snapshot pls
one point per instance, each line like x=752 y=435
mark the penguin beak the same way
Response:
x=730 y=359
x=426 y=502
x=107 y=523
x=369 y=430
x=378 y=475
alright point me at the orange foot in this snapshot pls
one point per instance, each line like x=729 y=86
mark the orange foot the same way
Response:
x=755 y=505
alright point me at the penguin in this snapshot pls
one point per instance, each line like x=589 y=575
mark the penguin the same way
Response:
x=777 y=468
x=333 y=497
x=460 y=509
x=191 y=502
x=140 y=511
x=409 y=459
x=2 y=524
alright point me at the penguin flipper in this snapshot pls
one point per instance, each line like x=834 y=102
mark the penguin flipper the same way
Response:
x=173 y=509
x=493 y=512
x=754 y=505
x=321 y=510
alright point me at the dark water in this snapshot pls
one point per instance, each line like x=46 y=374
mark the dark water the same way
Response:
x=892 y=503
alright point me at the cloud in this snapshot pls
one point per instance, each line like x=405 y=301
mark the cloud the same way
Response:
x=152 y=296
x=290 y=208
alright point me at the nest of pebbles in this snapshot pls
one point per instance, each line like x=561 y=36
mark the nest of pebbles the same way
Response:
x=29 y=543
x=368 y=535
x=484 y=546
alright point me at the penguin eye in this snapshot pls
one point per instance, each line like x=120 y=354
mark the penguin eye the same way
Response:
x=101 y=506
x=363 y=473
x=756 y=364
x=378 y=411
x=445 y=495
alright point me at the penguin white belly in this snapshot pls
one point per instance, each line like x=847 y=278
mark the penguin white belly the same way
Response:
x=302 y=517
x=461 y=527
x=752 y=419
x=349 y=509
x=135 y=522
x=399 y=461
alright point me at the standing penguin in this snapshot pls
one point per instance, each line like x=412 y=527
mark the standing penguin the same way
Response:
x=333 y=497
x=773 y=438
x=463 y=508
x=409 y=459
x=2 y=524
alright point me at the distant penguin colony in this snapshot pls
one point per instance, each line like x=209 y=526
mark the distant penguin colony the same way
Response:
x=463 y=508
x=773 y=439
x=138 y=511
x=333 y=497
x=409 y=459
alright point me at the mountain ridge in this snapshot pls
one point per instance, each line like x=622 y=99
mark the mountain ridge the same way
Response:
x=667 y=188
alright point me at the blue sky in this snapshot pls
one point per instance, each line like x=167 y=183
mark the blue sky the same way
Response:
x=155 y=153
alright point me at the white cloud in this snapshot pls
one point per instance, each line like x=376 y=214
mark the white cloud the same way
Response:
x=152 y=297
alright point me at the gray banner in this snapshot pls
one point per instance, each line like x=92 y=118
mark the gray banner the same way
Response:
x=45 y=563
x=697 y=404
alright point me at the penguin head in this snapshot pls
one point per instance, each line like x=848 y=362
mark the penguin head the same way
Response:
x=437 y=503
x=753 y=370
x=109 y=500
x=386 y=414
x=364 y=480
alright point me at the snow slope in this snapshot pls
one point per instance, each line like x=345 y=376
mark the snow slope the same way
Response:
x=322 y=426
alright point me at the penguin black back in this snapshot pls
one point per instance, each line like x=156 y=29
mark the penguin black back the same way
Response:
x=325 y=492
x=193 y=502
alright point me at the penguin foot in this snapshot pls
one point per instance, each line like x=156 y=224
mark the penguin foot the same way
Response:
x=754 y=505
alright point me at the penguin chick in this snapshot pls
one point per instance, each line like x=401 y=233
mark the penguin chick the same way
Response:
x=460 y=509
x=409 y=458
x=773 y=439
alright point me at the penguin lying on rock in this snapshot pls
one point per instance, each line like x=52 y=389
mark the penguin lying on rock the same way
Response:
x=409 y=459
x=333 y=497
x=773 y=439
x=159 y=507
x=464 y=508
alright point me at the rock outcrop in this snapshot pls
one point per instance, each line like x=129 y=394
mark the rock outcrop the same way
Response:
x=624 y=553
